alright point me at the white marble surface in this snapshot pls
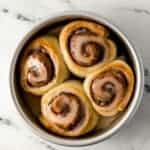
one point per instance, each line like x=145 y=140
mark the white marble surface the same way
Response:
x=17 y=17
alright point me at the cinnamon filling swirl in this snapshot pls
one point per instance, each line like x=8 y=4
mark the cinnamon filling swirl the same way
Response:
x=66 y=111
x=40 y=68
x=85 y=47
x=108 y=87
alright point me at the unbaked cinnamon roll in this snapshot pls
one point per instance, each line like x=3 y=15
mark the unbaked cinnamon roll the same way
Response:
x=42 y=66
x=85 y=47
x=66 y=110
x=110 y=88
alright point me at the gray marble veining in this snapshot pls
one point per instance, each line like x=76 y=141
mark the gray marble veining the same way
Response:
x=137 y=10
x=19 y=16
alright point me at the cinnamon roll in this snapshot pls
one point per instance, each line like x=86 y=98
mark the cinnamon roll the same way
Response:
x=110 y=88
x=42 y=66
x=66 y=110
x=85 y=46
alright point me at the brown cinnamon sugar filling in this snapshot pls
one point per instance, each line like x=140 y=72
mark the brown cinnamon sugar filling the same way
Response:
x=108 y=87
x=40 y=68
x=66 y=111
x=84 y=47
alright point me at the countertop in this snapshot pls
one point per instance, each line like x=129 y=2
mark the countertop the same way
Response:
x=17 y=17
